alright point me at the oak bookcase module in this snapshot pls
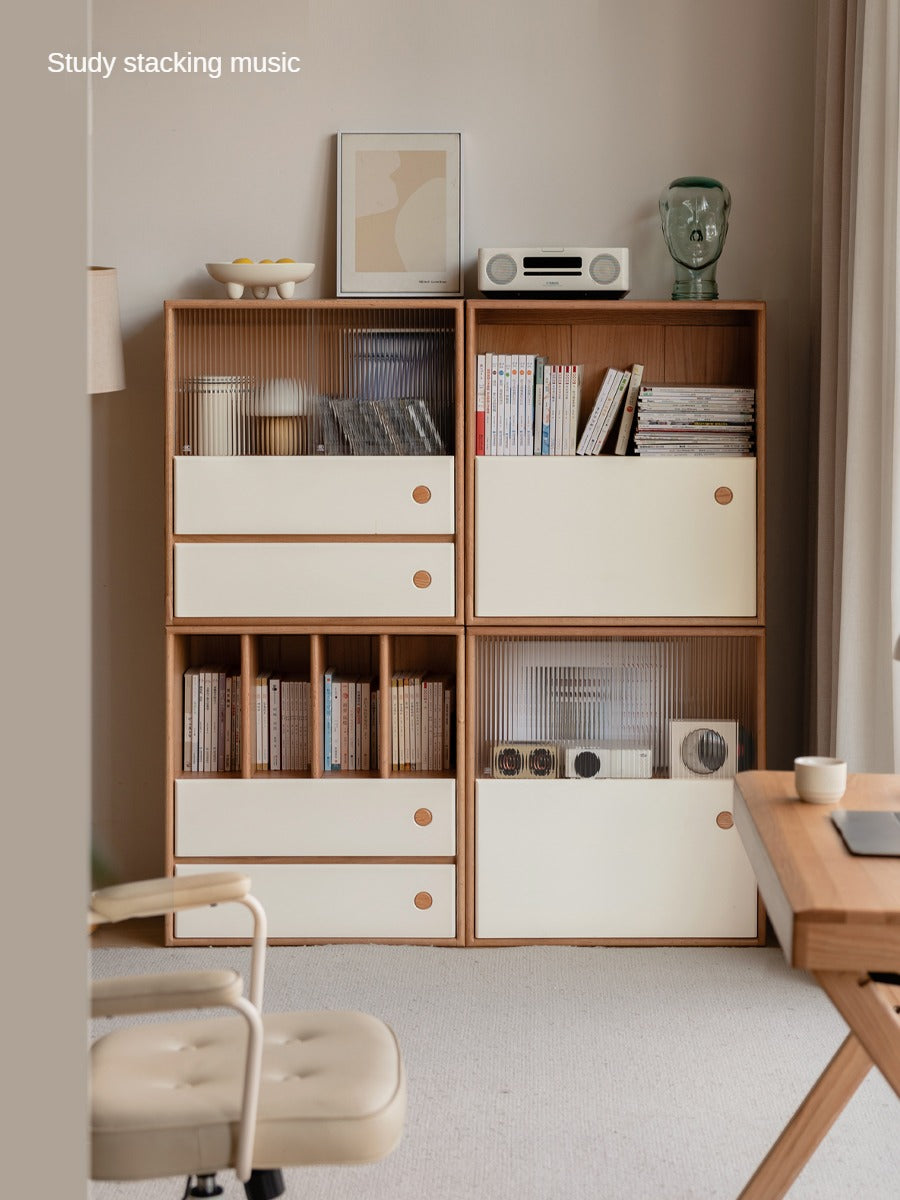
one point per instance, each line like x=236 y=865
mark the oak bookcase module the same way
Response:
x=315 y=561
x=426 y=693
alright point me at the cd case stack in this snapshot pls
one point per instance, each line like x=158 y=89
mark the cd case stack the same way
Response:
x=695 y=421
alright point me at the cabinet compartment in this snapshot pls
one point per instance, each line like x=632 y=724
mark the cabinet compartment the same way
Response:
x=314 y=579
x=204 y=707
x=334 y=900
x=296 y=818
x=589 y=690
x=623 y=537
x=608 y=859
x=409 y=495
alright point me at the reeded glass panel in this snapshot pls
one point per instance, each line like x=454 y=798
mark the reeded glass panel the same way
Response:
x=614 y=707
x=314 y=381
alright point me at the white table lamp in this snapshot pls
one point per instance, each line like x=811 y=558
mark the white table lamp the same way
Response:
x=106 y=365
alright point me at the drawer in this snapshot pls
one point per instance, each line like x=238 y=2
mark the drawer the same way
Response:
x=311 y=579
x=333 y=900
x=303 y=817
x=627 y=858
x=310 y=495
x=628 y=537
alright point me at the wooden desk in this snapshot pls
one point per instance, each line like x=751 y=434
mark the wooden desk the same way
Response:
x=838 y=916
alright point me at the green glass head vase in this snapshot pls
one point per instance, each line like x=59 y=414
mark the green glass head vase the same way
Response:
x=694 y=213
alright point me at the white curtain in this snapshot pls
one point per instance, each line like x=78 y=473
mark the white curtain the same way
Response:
x=856 y=678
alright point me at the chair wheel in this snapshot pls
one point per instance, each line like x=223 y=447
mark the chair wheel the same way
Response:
x=264 y=1185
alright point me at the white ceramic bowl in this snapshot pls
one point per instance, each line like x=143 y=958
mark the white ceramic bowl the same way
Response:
x=820 y=780
x=259 y=277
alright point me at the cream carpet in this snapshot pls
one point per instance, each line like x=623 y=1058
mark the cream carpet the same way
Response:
x=566 y=1073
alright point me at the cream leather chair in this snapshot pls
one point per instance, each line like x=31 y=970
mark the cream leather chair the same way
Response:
x=251 y=1092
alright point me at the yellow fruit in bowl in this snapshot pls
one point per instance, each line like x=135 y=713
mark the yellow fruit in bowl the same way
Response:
x=287 y=260
x=265 y=260
x=242 y=260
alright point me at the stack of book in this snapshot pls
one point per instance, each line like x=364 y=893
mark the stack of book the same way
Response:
x=422 y=708
x=617 y=394
x=282 y=723
x=696 y=420
x=212 y=720
x=525 y=405
x=350 y=711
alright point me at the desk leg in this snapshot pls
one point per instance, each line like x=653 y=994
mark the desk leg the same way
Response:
x=869 y=1009
x=810 y=1123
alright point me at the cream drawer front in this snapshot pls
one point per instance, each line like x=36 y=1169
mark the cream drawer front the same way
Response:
x=609 y=859
x=298 y=818
x=219 y=495
x=311 y=579
x=333 y=900
x=614 y=536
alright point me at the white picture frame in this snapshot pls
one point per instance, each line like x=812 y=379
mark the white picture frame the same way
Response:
x=399 y=214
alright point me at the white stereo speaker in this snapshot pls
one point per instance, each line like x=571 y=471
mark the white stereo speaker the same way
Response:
x=580 y=272
x=525 y=760
x=599 y=761
x=703 y=749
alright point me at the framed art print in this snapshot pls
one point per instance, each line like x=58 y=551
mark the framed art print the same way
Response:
x=399 y=227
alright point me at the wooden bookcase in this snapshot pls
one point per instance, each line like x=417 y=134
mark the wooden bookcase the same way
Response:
x=291 y=561
x=606 y=598
x=479 y=569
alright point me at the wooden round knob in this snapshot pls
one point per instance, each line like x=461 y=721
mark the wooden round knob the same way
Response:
x=724 y=820
x=423 y=900
x=422 y=579
x=421 y=494
x=423 y=816
x=724 y=495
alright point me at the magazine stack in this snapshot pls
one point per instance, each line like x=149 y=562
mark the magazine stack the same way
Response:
x=695 y=420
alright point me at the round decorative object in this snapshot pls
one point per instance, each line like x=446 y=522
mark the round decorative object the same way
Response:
x=724 y=820
x=724 y=495
x=421 y=494
x=422 y=579
x=423 y=900
x=422 y=816
x=704 y=751
x=604 y=269
x=694 y=213
x=259 y=277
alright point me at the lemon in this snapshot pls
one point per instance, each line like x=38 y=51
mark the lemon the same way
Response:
x=287 y=260
x=265 y=260
x=242 y=260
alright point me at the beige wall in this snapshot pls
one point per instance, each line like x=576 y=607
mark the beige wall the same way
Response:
x=575 y=113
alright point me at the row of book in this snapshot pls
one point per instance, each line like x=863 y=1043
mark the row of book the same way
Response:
x=212 y=719
x=695 y=420
x=422 y=721
x=616 y=400
x=282 y=723
x=525 y=405
x=351 y=719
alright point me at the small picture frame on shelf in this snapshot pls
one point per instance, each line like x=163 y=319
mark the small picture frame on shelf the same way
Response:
x=399 y=220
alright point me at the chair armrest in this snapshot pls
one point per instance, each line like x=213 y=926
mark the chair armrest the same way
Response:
x=154 y=897
x=127 y=995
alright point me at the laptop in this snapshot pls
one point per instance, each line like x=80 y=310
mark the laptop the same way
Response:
x=869 y=832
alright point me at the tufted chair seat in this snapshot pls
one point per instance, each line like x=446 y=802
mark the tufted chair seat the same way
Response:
x=254 y=1091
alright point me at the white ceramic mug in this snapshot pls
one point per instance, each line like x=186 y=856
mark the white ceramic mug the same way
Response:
x=820 y=780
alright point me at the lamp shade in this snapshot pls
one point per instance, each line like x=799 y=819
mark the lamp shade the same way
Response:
x=106 y=366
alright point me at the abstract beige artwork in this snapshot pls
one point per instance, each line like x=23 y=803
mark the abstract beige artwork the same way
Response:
x=399 y=214
x=401 y=210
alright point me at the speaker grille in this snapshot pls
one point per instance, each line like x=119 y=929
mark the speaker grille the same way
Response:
x=604 y=269
x=501 y=268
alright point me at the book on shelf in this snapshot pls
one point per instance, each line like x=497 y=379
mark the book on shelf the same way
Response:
x=480 y=403
x=609 y=416
x=274 y=723
x=601 y=403
x=629 y=408
x=327 y=715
